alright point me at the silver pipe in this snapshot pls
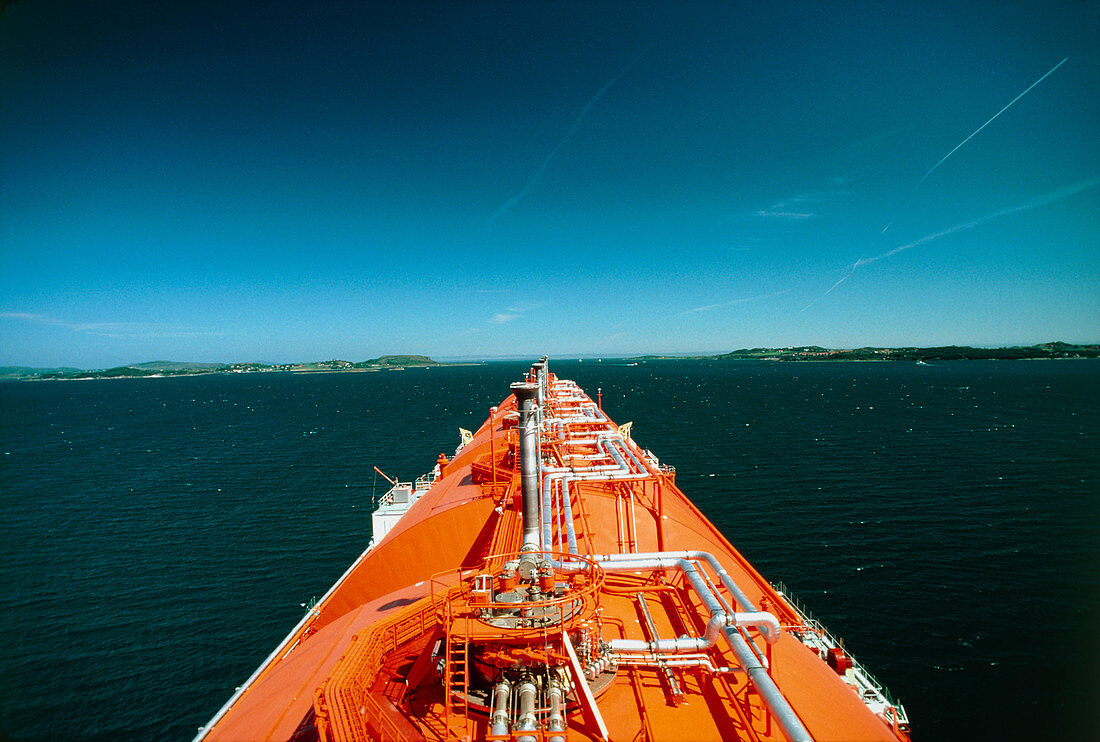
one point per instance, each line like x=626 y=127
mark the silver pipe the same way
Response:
x=547 y=500
x=502 y=691
x=588 y=472
x=758 y=674
x=739 y=596
x=679 y=660
x=555 y=719
x=717 y=624
x=567 y=475
x=528 y=444
x=728 y=609
x=562 y=545
x=539 y=367
x=633 y=519
x=640 y=462
x=767 y=623
x=591 y=473
x=567 y=509
x=526 y=721
x=773 y=698
x=670 y=676
x=612 y=451
x=628 y=473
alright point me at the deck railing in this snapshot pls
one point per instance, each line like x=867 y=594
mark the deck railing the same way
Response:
x=344 y=706
x=868 y=681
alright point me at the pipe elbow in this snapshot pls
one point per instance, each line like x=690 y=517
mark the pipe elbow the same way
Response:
x=767 y=624
x=715 y=625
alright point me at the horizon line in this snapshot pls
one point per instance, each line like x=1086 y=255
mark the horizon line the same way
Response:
x=519 y=357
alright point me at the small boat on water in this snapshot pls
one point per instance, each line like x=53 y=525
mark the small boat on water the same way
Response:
x=550 y=582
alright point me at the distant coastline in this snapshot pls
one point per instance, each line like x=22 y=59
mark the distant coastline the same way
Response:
x=1054 y=350
x=161 y=369
x=807 y=353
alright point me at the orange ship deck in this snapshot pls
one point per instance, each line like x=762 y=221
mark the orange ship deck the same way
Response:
x=423 y=638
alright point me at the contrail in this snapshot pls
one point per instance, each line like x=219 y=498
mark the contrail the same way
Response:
x=569 y=135
x=987 y=123
x=731 y=303
x=1057 y=195
x=855 y=265
x=1049 y=198
x=848 y=275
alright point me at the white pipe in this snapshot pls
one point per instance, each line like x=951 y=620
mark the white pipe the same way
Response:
x=679 y=660
x=567 y=508
x=499 y=712
x=642 y=464
x=758 y=674
x=739 y=596
x=633 y=521
x=526 y=721
x=529 y=464
x=547 y=499
x=609 y=472
x=773 y=698
x=759 y=620
x=767 y=623
x=555 y=719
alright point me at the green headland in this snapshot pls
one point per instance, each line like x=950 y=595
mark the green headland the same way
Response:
x=155 y=369
x=942 y=353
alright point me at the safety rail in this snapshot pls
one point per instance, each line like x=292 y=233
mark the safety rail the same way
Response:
x=869 y=685
x=344 y=706
x=388 y=498
x=462 y=593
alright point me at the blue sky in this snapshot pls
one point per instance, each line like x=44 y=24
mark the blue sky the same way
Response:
x=229 y=181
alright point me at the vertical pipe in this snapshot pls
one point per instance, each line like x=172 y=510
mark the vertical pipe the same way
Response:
x=619 y=518
x=493 y=443
x=555 y=720
x=560 y=522
x=526 y=721
x=525 y=398
x=660 y=518
x=547 y=512
x=567 y=513
x=633 y=520
x=502 y=691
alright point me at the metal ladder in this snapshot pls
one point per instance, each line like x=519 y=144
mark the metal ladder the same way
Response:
x=456 y=681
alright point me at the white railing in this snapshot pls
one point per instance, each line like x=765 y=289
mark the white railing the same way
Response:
x=814 y=634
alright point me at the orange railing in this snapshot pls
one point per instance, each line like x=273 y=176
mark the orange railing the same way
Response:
x=344 y=706
x=347 y=709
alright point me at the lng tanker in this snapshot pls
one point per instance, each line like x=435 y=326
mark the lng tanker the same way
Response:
x=550 y=582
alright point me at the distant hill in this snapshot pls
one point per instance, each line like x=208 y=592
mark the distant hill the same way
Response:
x=176 y=366
x=943 y=353
x=23 y=372
x=382 y=361
x=188 y=368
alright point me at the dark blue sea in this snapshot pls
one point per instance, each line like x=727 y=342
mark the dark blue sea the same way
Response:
x=160 y=536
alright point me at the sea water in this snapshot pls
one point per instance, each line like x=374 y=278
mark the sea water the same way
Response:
x=160 y=536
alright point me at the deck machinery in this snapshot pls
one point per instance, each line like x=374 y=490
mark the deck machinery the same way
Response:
x=551 y=582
